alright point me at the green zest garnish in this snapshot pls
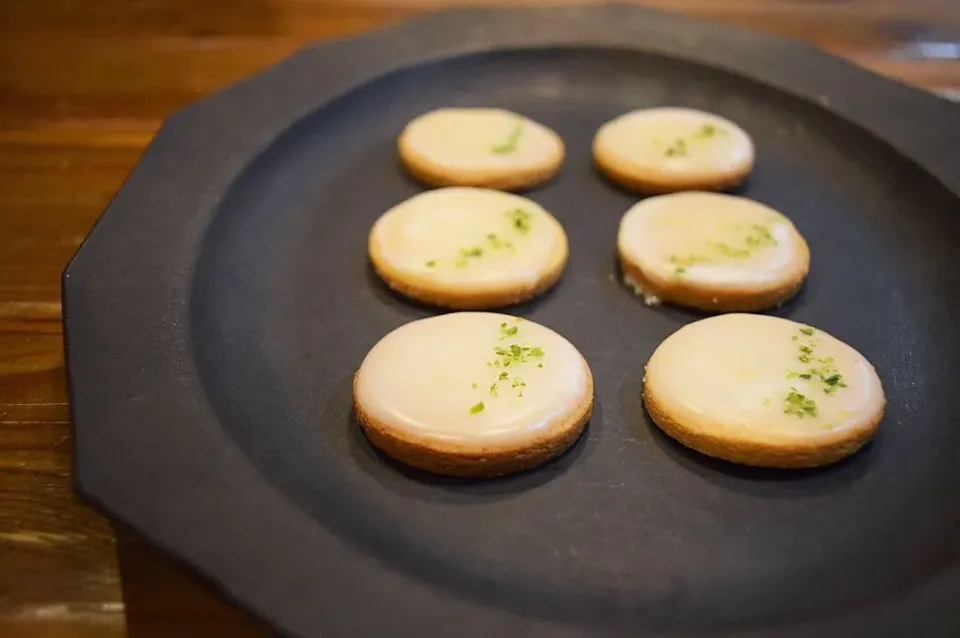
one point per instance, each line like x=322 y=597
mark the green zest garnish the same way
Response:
x=515 y=382
x=681 y=264
x=514 y=355
x=760 y=236
x=496 y=243
x=677 y=149
x=475 y=252
x=509 y=356
x=474 y=386
x=710 y=130
x=477 y=408
x=826 y=373
x=518 y=385
x=729 y=251
x=466 y=254
x=796 y=404
x=431 y=263
x=679 y=146
x=510 y=144
x=520 y=219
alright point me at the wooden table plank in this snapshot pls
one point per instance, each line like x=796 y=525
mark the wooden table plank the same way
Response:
x=58 y=570
x=83 y=87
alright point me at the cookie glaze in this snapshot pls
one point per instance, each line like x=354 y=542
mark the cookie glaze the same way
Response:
x=425 y=380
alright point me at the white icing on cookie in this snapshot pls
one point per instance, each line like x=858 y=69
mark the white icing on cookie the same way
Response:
x=469 y=237
x=763 y=378
x=676 y=142
x=481 y=140
x=712 y=240
x=442 y=379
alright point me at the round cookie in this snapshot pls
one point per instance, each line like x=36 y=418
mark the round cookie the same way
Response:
x=711 y=251
x=662 y=150
x=490 y=148
x=468 y=248
x=763 y=391
x=473 y=394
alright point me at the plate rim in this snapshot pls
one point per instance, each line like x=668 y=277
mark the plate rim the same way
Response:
x=133 y=488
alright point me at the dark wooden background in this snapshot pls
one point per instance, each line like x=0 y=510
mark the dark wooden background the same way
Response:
x=83 y=86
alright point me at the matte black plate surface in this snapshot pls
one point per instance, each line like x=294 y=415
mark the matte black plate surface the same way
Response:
x=219 y=309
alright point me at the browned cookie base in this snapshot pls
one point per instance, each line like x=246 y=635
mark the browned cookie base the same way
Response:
x=451 y=459
x=824 y=451
x=728 y=299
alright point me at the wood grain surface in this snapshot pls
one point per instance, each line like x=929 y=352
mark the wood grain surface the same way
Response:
x=84 y=84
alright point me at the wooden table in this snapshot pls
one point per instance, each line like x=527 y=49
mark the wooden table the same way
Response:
x=84 y=85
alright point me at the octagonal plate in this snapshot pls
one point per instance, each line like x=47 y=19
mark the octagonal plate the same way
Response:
x=216 y=313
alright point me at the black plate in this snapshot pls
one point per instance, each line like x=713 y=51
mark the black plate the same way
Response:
x=216 y=315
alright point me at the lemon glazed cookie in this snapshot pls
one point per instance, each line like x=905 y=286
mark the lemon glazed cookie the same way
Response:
x=662 y=150
x=473 y=394
x=711 y=251
x=491 y=148
x=763 y=391
x=468 y=248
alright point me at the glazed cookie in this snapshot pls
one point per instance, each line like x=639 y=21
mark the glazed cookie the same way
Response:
x=492 y=148
x=711 y=251
x=468 y=248
x=662 y=150
x=763 y=391
x=473 y=394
